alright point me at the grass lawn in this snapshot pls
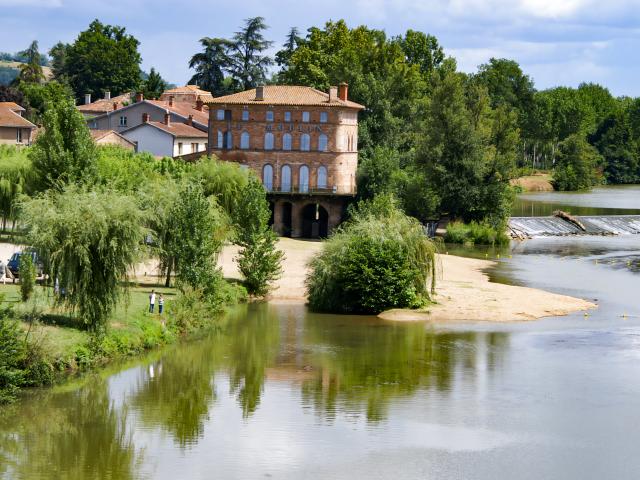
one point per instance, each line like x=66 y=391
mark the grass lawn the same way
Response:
x=131 y=327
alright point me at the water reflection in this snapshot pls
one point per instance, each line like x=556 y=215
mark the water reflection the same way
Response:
x=177 y=392
x=362 y=369
x=72 y=435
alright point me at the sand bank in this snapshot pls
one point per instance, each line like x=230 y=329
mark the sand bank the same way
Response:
x=464 y=292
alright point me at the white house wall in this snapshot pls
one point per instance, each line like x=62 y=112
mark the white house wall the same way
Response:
x=134 y=117
x=186 y=145
x=152 y=140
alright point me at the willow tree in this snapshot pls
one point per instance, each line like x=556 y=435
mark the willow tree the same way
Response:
x=15 y=175
x=90 y=241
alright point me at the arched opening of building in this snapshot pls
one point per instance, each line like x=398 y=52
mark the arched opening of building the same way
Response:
x=286 y=219
x=272 y=209
x=303 y=186
x=315 y=221
x=267 y=177
x=285 y=179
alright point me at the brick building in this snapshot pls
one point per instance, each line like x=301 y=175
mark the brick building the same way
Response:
x=302 y=143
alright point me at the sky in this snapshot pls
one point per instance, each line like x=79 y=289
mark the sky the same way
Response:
x=556 y=42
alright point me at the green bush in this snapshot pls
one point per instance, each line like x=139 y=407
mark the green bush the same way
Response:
x=475 y=233
x=12 y=355
x=27 y=276
x=378 y=260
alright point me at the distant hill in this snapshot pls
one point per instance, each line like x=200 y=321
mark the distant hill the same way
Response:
x=10 y=70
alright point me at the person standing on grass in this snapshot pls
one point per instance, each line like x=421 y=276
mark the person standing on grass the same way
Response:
x=160 y=304
x=152 y=300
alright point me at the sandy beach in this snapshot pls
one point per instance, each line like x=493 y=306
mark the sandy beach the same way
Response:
x=464 y=292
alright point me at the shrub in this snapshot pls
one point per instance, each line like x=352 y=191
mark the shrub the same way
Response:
x=475 y=233
x=12 y=355
x=27 y=276
x=379 y=259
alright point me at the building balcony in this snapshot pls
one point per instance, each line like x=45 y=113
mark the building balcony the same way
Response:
x=346 y=190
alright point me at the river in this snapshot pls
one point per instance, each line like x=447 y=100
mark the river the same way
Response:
x=283 y=393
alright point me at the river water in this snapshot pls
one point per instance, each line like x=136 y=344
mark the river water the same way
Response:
x=283 y=393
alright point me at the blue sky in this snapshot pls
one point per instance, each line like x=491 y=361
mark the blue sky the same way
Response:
x=557 y=42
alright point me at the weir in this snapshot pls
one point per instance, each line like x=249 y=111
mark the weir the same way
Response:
x=529 y=227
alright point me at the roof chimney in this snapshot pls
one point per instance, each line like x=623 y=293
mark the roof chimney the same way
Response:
x=190 y=121
x=260 y=93
x=333 y=94
x=199 y=105
x=145 y=117
x=107 y=95
x=139 y=97
x=87 y=98
x=171 y=100
x=115 y=105
x=343 y=90
x=167 y=119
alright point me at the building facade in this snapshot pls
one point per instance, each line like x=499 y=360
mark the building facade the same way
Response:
x=302 y=143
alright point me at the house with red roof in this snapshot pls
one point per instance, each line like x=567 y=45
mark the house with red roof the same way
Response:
x=14 y=128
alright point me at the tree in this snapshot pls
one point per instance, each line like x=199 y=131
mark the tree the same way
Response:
x=283 y=56
x=27 y=276
x=103 y=57
x=211 y=65
x=154 y=85
x=198 y=230
x=259 y=259
x=31 y=70
x=58 y=54
x=576 y=164
x=378 y=172
x=64 y=152
x=90 y=241
x=507 y=84
x=468 y=151
x=422 y=50
x=247 y=63
x=615 y=141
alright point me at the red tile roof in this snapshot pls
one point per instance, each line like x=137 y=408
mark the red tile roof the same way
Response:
x=12 y=106
x=188 y=90
x=178 y=129
x=184 y=109
x=103 y=105
x=9 y=117
x=98 y=134
x=285 y=95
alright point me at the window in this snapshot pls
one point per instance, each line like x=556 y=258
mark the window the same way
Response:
x=269 y=115
x=305 y=142
x=220 y=114
x=322 y=177
x=19 y=135
x=194 y=147
x=123 y=121
x=268 y=141
x=229 y=144
x=286 y=141
x=305 y=116
x=179 y=148
x=287 y=116
x=304 y=179
x=220 y=140
x=245 y=115
x=323 y=117
x=267 y=177
x=285 y=180
x=244 y=140
x=322 y=142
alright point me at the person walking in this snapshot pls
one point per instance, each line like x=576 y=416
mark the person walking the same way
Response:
x=160 y=304
x=152 y=300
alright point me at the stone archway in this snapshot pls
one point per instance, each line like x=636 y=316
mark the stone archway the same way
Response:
x=315 y=221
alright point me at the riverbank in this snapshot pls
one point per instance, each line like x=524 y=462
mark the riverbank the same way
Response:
x=464 y=291
x=538 y=182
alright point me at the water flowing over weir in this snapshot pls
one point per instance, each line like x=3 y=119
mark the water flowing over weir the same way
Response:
x=529 y=227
